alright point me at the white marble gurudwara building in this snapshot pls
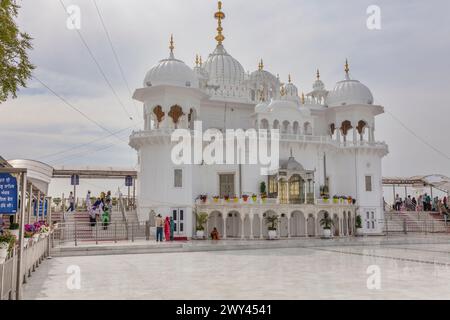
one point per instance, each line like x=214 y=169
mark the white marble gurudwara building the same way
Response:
x=327 y=146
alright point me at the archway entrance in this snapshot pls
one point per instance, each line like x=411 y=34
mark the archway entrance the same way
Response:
x=233 y=224
x=298 y=224
x=311 y=226
x=215 y=220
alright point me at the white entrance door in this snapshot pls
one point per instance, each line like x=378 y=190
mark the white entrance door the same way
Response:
x=179 y=216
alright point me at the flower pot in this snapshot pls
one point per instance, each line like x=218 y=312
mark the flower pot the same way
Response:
x=350 y=201
x=359 y=232
x=326 y=200
x=236 y=200
x=255 y=199
x=15 y=233
x=216 y=200
x=327 y=233
x=245 y=199
x=335 y=200
x=272 y=234
x=200 y=234
x=3 y=251
x=263 y=200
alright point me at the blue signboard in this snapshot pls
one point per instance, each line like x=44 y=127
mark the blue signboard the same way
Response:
x=42 y=208
x=128 y=181
x=75 y=180
x=8 y=194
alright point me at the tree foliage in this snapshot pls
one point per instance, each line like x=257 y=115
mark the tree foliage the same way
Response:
x=15 y=67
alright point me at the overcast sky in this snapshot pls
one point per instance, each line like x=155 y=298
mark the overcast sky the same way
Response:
x=406 y=64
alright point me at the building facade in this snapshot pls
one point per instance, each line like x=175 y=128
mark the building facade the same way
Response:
x=327 y=148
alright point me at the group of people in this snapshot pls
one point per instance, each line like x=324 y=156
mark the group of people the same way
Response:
x=166 y=226
x=422 y=203
x=100 y=210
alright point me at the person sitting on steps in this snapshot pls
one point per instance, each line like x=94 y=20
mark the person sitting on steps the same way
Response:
x=215 y=234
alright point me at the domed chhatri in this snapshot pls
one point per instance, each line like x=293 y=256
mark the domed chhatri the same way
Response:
x=223 y=69
x=349 y=92
x=171 y=71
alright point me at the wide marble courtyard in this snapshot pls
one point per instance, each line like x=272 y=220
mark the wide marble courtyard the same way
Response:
x=406 y=271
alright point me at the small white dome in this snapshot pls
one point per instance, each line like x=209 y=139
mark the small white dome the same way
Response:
x=291 y=91
x=223 y=69
x=262 y=76
x=318 y=85
x=348 y=92
x=171 y=72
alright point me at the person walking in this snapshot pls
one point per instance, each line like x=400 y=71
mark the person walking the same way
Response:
x=398 y=203
x=109 y=198
x=106 y=216
x=71 y=207
x=159 y=228
x=2 y=224
x=90 y=209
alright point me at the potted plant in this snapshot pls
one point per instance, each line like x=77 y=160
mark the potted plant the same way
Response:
x=263 y=198
x=326 y=222
x=203 y=198
x=236 y=199
x=335 y=199
x=272 y=222
x=254 y=198
x=326 y=199
x=216 y=199
x=202 y=218
x=226 y=198
x=358 y=225
x=350 y=200
x=245 y=197
x=7 y=241
x=14 y=229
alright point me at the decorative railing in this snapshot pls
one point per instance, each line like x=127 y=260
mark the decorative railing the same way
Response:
x=35 y=250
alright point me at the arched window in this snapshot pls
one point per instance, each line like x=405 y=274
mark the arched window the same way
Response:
x=345 y=128
x=176 y=112
x=286 y=127
x=361 y=128
x=276 y=124
x=308 y=129
x=159 y=115
x=295 y=128
x=264 y=124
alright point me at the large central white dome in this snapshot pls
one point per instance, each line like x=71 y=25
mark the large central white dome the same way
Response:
x=349 y=92
x=223 y=69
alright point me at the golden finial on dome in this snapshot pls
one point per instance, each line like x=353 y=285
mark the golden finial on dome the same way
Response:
x=347 y=68
x=303 y=98
x=289 y=79
x=219 y=15
x=171 y=47
x=197 y=61
x=261 y=65
x=201 y=61
x=318 y=74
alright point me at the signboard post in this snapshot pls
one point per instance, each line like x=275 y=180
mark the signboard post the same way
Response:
x=8 y=194
x=128 y=183
x=75 y=181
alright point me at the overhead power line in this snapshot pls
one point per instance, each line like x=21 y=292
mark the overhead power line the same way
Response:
x=67 y=103
x=417 y=136
x=116 y=56
x=99 y=67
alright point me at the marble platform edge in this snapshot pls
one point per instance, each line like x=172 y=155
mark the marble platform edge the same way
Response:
x=197 y=246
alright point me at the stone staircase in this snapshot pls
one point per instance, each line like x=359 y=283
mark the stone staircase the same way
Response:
x=421 y=222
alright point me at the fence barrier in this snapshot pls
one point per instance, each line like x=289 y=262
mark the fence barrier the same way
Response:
x=33 y=255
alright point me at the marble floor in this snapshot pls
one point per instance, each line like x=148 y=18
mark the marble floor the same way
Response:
x=408 y=271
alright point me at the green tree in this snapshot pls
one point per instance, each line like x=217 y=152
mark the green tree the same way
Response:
x=15 y=68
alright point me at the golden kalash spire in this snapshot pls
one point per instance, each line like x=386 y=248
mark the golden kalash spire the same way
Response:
x=197 y=60
x=289 y=79
x=303 y=98
x=318 y=74
x=219 y=15
x=347 y=68
x=261 y=65
x=172 y=46
x=201 y=61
